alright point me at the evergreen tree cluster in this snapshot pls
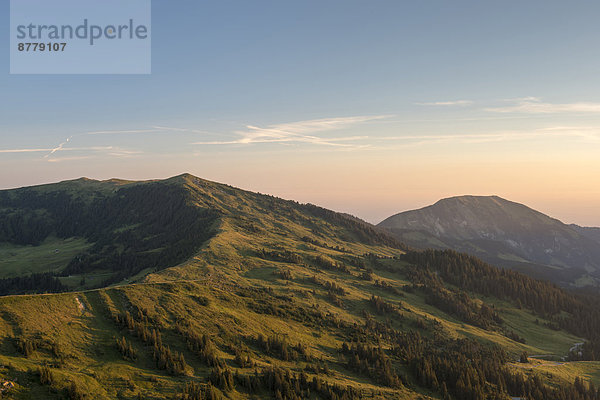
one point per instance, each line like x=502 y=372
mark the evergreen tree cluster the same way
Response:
x=26 y=346
x=333 y=290
x=75 y=392
x=355 y=261
x=372 y=362
x=575 y=312
x=126 y=349
x=321 y=263
x=285 y=274
x=315 y=242
x=387 y=287
x=171 y=361
x=469 y=273
x=285 y=256
x=285 y=385
x=453 y=301
x=222 y=378
x=382 y=307
x=356 y=229
x=467 y=369
x=585 y=322
x=264 y=301
x=168 y=360
x=150 y=225
x=243 y=359
x=277 y=346
x=202 y=346
x=197 y=391
x=46 y=375
x=44 y=282
x=367 y=275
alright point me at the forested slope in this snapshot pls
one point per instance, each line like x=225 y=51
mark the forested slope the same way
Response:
x=280 y=300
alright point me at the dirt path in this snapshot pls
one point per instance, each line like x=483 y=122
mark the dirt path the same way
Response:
x=545 y=363
x=542 y=363
x=576 y=346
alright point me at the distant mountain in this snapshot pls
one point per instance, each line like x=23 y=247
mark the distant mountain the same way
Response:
x=505 y=233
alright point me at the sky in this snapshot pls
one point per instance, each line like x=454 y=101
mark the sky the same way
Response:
x=365 y=107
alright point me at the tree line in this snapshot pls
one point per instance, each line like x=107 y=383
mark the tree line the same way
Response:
x=577 y=313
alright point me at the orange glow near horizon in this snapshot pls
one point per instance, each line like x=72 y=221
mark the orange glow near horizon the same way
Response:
x=375 y=184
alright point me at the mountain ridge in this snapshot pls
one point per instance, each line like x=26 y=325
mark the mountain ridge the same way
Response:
x=503 y=232
x=127 y=228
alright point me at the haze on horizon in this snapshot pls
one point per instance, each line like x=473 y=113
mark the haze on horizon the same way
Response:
x=361 y=109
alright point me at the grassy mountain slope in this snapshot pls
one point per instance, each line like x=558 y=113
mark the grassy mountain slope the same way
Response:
x=92 y=234
x=119 y=229
x=75 y=333
x=504 y=233
x=279 y=300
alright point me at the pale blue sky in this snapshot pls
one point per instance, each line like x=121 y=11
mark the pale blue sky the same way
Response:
x=368 y=107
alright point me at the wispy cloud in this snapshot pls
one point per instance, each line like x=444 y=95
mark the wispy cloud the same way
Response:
x=534 y=105
x=110 y=150
x=58 y=148
x=183 y=130
x=118 y=152
x=63 y=159
x=471 y=138
x=447 y=103
x=25 y=150
x=301 y=132
x=312 y=132
x=95 y=152
x=121 y=132
x=326 y=133
x=589 y=134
